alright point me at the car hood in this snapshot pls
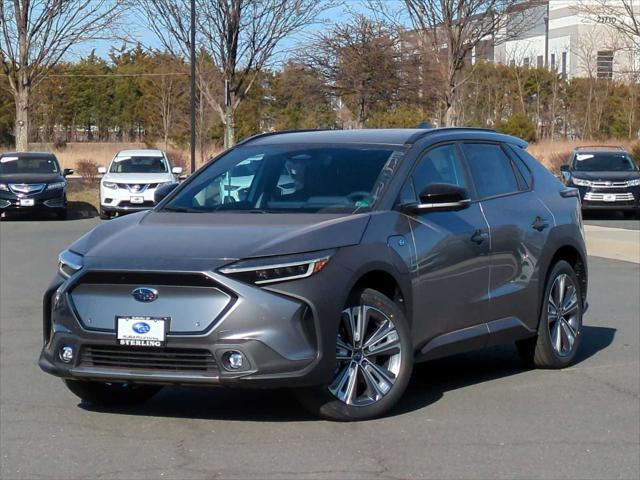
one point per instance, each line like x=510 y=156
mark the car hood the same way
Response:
x=202 y=241
x=607 y=176
x=138 y=177
x=30 y=178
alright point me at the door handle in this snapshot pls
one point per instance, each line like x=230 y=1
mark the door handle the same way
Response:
x=539 y=224
x=479 y=236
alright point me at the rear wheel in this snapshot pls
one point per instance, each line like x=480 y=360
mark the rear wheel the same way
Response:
x=104 y=393
x=374 y=360
x=560 y=327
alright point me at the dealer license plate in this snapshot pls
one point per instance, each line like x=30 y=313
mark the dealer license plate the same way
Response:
x=142 y=331
x=26 y=202
x=609 y=198
x=136 y=199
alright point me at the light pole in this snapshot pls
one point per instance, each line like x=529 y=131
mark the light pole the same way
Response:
x=193 y=86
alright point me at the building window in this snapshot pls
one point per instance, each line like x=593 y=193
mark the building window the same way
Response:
x=564 y=63
x=525 y=62
x=605 y=64
x=512 y=63
x=540 y=61
x=553 y=61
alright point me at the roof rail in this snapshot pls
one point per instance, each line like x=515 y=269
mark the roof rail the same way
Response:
x=278 y=132
x=417 y=136
x=600 y=147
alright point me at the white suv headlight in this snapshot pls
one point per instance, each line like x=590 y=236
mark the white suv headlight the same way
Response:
x=111 y=185
x=581 y=182
x=69 y=263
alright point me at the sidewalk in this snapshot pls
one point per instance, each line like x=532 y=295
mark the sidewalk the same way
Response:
x=614 y=243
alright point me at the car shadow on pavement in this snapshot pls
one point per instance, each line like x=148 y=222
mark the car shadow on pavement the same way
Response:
x=428 y=384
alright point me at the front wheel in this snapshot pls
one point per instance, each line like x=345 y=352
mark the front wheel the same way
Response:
x=374 y=360
x=560 y=327
x=104 y=215
x=105 y=394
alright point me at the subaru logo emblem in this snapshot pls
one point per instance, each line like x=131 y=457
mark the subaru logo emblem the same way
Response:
x=144 y=294
x=141 y=328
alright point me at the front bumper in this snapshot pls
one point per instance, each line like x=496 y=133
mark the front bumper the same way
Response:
x=123 y=200
x=286 y=333
x=45 y=200
x=613 y=199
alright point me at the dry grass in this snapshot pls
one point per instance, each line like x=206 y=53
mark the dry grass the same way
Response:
x=84 y=193
x=552 y=154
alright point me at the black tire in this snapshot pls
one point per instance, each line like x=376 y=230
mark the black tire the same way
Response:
x=105 y=394
x=104 y=215
x=321 y=402
x=539 y=351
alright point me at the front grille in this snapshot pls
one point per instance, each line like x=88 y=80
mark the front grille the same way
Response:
x=147 y=203
x=166 y=359
x=606 y=197
x=604 y=184
x=27 y=188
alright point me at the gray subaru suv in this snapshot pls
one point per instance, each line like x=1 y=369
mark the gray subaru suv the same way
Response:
x=329 y=262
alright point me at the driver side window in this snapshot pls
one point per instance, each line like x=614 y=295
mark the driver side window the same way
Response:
x=440 y=165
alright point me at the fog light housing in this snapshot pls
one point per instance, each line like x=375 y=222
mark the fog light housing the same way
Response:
x=234 y=360
x=66 y=354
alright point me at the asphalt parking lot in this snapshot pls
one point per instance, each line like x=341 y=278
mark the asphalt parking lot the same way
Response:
x=479 y=415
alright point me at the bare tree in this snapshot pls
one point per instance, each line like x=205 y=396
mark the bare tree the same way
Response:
x=452 y=29
x=621 y=15
x=36 y=34
x=358 y=60
x=240 y=36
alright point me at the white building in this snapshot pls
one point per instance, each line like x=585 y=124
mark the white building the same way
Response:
x=563 y=36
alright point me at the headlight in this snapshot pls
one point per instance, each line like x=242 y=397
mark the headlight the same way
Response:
x=581 y=182
x=56 y=185
x=277 y=269
x=3 y=186
x=110 y=185
x=69 y=263
x=634 y=183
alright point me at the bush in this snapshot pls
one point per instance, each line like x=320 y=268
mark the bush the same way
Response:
x=87 y=169
x=518 y=125
x=554 y=160
x=60 y=144
x=177 y=158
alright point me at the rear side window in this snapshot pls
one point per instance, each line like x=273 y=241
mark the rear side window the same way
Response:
x=491 y=169
x=440 y=165
x=525 y=177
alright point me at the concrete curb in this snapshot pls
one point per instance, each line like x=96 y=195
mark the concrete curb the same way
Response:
x=613 y=243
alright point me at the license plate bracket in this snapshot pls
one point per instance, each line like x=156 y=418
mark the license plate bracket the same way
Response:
x=142 y=331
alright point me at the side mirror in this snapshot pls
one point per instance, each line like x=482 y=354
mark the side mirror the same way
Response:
x=163 y=191
x=102 y=170
x=67 y=171
x=564 y=168
x=176 y=170
x=443 y=196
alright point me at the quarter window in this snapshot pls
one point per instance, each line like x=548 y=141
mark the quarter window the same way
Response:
x=440 y=165
x=491 y=169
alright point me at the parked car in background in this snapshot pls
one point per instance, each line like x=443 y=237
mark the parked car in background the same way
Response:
x=385 y=248
x=607 y=178
x=33 y=182
x=130 y=181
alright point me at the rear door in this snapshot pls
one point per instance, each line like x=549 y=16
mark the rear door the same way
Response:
x=451 y=270
x=519 y=225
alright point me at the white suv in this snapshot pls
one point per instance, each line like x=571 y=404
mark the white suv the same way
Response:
x=131 y=180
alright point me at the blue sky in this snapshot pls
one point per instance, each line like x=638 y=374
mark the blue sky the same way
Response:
x=138 y=31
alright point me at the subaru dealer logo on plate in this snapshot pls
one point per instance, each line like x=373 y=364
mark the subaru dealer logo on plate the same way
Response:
x=141 y=327
x=144 y=294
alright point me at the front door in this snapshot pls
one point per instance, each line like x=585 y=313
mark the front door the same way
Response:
x=451 y=270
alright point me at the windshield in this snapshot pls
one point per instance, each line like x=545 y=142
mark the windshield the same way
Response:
x=138 y=165
x=604 y=162
x=9 y=165
x=288 y=178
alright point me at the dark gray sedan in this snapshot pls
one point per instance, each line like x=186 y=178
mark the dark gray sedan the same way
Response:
x=325 y=261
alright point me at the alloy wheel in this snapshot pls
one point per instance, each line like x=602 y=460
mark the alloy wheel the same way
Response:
x=368 y=354
x=563 y=314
